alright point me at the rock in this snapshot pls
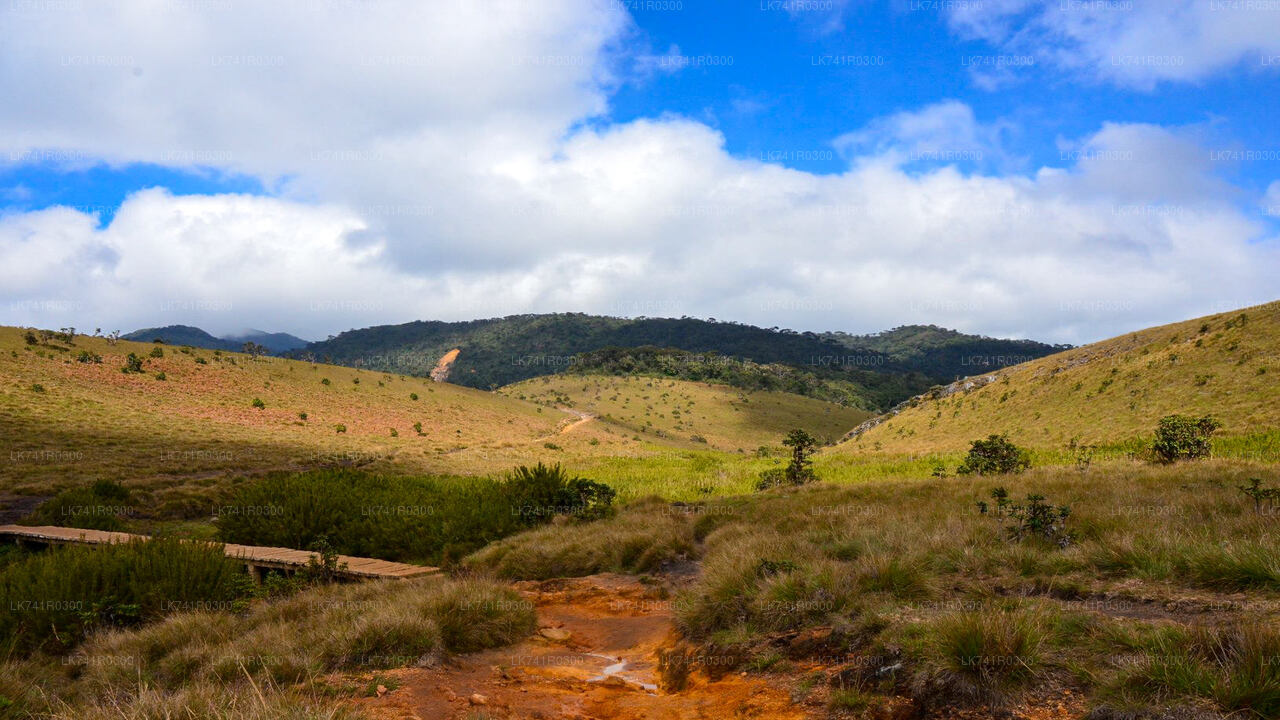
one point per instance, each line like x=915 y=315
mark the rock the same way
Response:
x=382 y=690
x=478 y=699
x=555 y=634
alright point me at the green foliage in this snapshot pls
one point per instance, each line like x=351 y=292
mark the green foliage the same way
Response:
x=800 y=469
x=1034 y=519
x=994 y=456
x=1182 y=437
x=37 y=388
x=56 y=598
x=830 y=367
x=30 y=338
x=424 y=519
x=542 y=491
x=88 y=357
x=325 y=381
x=1263 y=497
x=132 y=364
x=413 y=396
x=340 y=428
x=157 y=352
x=257 y=402
x=100 y=506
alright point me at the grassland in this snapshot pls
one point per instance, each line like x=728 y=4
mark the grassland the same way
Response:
x=716 y=416
x=888 y=592
x=1111 y=393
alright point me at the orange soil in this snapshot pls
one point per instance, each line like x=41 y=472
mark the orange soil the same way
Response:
x=595 y=656
x=441 y=371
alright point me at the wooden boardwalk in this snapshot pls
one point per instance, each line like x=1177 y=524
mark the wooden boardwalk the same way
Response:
x=255 y=558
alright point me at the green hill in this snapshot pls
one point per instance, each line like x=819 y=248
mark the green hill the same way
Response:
x=501 y=351
x=710 y=415
x=1110 y=393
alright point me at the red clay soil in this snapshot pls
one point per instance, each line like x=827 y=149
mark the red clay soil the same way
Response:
x=595 y=656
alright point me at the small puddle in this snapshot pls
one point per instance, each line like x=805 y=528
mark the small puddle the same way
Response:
x=615 y=670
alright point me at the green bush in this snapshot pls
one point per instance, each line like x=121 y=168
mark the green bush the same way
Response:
x=424 y=519
x=1182 y=437
x=157 y=352
x=56 y=598
x=132 y=364
x=994 y=456
x=257 y=402
x=99 y=506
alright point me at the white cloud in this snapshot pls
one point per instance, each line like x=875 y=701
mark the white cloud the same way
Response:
x=455 y=170
x=1133 y=43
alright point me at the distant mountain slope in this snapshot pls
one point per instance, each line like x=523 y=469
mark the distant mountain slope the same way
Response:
x=501 y=351
x=1110 y=392
x=181 y=335
x=195 y=337
x=275 y=342
x=944 y=353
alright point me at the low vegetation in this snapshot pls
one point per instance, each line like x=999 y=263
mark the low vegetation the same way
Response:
x=57 y=598
x=272 y=660
x=412 y=519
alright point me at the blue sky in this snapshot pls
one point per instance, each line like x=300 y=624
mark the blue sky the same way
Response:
x=842 y=164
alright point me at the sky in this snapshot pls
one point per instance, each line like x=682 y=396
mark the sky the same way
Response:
x=1065 y=170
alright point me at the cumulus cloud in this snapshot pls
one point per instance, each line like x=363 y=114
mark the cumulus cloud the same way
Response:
x=450 y=162
x=1134 y=43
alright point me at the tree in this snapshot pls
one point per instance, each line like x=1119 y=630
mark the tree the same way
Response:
x=1182 y=437
x=253 y=349
x=994 y=456
x=803 y=445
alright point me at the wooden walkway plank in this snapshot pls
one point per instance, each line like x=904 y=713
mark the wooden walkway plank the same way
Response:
x=270 y=557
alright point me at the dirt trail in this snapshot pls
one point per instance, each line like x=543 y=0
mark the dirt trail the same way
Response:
x=583 y=418
x=595 y=656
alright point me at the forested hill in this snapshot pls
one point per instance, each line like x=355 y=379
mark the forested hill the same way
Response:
x=945 y=354
x=501 y=351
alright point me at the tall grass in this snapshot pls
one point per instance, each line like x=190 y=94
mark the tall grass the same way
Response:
x=642 y=538
x=56 y=598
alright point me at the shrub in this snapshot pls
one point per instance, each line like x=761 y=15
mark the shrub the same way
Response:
x=340 y=428
x=302 y=416
x=541 y=492
x=201 y=361
x=257 y=402
x=37 y=387
x=56 y=598
x=1260 y=495
x=157 y=352
x=994 y=456
x=413 y=396
x=88 y=357
x=99 y=506
x=1182 y=437
x=428 y=519
x=417 y=427
x=1035 y=519
x=325 y=381
x=30 y=338
x=161 y=376
x=132 y=364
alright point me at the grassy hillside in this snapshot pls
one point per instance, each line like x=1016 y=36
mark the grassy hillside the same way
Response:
x=1112 y=392
x=714 y=415
x=68 y=421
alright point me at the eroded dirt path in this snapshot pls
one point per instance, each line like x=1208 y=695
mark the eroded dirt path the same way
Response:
x=595 y=656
